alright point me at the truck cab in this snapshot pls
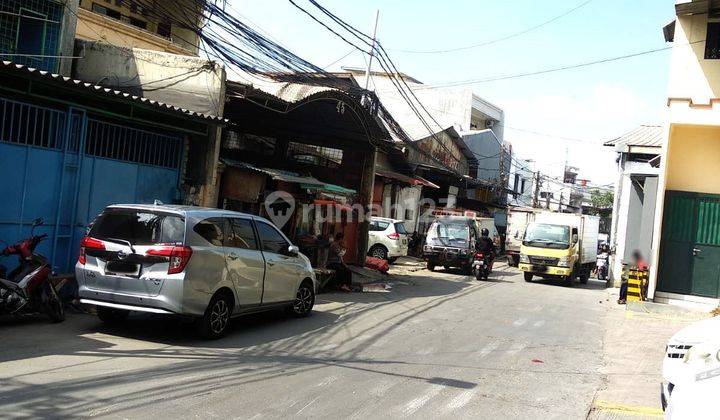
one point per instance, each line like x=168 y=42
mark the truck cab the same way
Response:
x=559 y=247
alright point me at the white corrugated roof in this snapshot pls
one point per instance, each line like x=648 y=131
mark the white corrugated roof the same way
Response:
x=9 y=65
x=643 y=136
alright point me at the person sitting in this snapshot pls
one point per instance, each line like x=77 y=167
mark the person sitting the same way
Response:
x=343 y=277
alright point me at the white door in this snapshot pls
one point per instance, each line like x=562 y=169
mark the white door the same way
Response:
x=282 y=271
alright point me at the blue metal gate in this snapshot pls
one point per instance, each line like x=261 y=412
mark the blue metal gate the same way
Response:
x=66 y=167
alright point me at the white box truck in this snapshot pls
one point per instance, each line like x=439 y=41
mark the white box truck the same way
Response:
x=560 y=245
x=518 y=219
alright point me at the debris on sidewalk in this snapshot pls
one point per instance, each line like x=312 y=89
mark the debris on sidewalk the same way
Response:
x=380 y=287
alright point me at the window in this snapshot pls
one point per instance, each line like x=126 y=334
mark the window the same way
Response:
x=138 y=227
x=164 y=29
x=378 y=226
x=241 y=142
x=106 y=11
x=522 y=186
x=271 y=239
x=31 y=33
x=409 y=214
x=241 y=234
x=400 y=228
x=211 y=230
x=712 y=41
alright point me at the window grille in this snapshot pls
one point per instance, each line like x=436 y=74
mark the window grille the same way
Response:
x=114 y=141
x=315 y=155
x=31 y=27
x=31 y=125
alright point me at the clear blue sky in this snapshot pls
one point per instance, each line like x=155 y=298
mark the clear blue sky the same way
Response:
x=595 y=103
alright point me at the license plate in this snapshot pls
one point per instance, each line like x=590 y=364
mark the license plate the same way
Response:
x=539 y=268
x=122 y=267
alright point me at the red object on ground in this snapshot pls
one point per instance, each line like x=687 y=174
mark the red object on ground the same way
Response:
x=377 y=264
x=537 y=361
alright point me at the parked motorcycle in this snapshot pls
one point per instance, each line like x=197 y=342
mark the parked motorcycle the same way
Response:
x=27 y=289
x=481 y=266
x=602 y=267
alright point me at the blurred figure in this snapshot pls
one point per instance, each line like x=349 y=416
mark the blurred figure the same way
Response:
x=343 y=276
x=638 y=263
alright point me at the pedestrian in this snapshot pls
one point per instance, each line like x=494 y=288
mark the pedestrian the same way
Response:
x=342 y=279
x=639 y=264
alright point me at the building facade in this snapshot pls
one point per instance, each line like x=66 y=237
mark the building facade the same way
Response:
x=635 y=194
x=686 y=242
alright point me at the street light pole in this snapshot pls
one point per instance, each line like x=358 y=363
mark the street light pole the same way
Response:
x=372 y=50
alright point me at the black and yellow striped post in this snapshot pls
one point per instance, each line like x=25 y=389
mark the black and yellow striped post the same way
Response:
x=637 y=279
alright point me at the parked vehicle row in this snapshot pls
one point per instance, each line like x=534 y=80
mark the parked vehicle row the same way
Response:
x=207 y=264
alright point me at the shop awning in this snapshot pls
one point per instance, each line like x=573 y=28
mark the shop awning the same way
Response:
x=404 y=178
x=425 y=182
x=394 y=175
x=331 y=188
x=276 y=174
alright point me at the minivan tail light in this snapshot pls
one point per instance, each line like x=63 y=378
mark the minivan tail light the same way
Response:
x=89 y=243
x=178 y=256
x=394 y=236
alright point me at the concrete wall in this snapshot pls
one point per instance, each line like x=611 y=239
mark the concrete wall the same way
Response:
x=69 y=27
x=95 y=27
x=693 y=159
x=187 y=82
x=487 y=151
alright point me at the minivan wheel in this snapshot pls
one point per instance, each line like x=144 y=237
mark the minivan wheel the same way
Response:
x=378 y=251
x=304 y=301
x=214 y=324
x=110 y=315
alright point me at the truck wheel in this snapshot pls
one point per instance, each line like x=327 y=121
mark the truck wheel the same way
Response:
x=528 y=276
x=584 y=276
x=431 y=266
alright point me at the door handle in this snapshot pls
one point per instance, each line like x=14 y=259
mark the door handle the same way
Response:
x=233 y=256
x=696 y=251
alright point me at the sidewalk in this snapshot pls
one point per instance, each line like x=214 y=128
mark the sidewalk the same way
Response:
x=634 y=348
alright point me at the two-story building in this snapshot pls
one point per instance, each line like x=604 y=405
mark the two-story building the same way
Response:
x=686 y=262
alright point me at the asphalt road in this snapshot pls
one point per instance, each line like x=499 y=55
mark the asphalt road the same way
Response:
x=439 y=345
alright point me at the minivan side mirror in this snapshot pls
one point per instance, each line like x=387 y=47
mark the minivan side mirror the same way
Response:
x=575 y=238
x=293 y=251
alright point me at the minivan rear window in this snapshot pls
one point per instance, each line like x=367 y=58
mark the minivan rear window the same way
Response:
x=139 y=227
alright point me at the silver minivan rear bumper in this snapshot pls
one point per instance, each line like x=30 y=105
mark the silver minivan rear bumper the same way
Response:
x=125 y=307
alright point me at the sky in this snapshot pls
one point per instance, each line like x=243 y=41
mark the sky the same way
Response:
x=592 y=104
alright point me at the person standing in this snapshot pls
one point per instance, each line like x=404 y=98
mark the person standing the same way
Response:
x=639 y=264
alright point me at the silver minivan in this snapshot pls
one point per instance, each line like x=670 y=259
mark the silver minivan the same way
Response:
x=210 y=264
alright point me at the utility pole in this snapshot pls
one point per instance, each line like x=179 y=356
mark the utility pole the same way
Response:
x=536 y=194
x=372 y=50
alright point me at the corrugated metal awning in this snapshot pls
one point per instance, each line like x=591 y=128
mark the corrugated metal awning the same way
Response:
x=276 y=174
x=12 y=67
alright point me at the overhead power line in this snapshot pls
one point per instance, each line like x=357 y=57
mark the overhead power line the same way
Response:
x=497 y=40
x=550 y=70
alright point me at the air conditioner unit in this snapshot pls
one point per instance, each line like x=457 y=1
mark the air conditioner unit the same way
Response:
x=489 y=123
